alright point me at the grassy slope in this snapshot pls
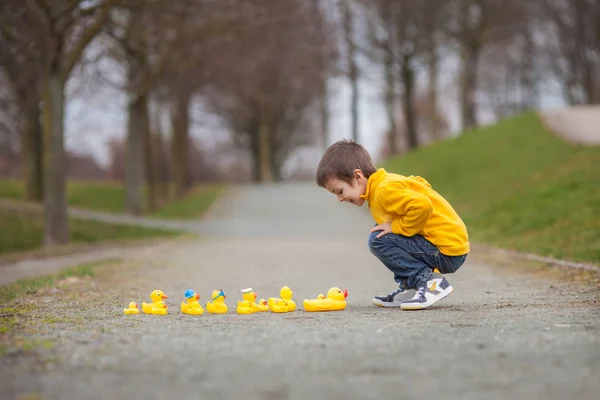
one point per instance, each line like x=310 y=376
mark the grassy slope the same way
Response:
x=517 y=186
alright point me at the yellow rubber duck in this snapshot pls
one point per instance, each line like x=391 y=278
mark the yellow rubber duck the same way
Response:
x=132 y=309
x=157 y=296
x=285 y=294
x=248 y=303
x=280 y=306
x=262 y=303
x=335 y=301
x=191 y=306
x=218 y=305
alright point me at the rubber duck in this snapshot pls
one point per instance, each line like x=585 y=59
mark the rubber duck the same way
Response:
x=335 y=301
x=156 y=296
x=160 y=308
x=249 y=300
x=280 y=306
x=262 y=303
x=285 y=294
x=218 y=305
x=132 y=309
x=191 y=305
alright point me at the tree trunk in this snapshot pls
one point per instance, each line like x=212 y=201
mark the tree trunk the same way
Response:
x=434 y=130
x=149 y=154
x=408 y=82
x=352 y=66
x=324 y=110
x=264 y=149
x=162 y=162
x=390 y=100
x=180 y=142
x=469 y=87
x=56 y=224
x=134 y=161
x=32 y=152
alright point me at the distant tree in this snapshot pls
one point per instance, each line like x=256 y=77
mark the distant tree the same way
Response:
x=266 y=80
x=65 y=29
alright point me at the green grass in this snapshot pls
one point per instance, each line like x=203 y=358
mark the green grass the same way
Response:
x=517 y=186
x=32 y=285
x=24 y=231
x=191 y=206
x=110 y=197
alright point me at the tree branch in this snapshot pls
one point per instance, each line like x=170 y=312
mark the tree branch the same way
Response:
x=40 y=12
x=88 y=34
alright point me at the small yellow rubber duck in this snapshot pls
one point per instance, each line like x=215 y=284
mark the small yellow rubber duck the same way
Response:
x=191 y=306
x=286 y=294
x=280 y=306
x=157 y=296
x=335 y=301
x=132 y=309
x=218 y=305
x=160 y=308
x=248 y=303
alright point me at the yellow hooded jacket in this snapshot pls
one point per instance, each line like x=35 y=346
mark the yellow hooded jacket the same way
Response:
x=413 y=207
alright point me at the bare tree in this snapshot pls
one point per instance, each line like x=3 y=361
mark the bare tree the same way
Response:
x=473 y=24
x=65 y=30
x=20 y=55
x=575 y=25
x=266 y=81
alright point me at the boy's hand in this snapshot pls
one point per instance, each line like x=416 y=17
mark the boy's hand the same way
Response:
x=386 y=227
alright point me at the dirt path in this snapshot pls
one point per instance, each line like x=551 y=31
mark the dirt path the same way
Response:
x=512 y=329
x=579 y=125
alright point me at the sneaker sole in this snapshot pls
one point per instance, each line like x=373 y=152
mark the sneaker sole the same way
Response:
x=421 y=306
x=380 y=303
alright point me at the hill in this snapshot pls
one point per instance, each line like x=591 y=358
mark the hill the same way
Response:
x=517 y=186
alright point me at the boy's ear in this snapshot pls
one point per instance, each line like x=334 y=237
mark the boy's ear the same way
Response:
x=358 y=174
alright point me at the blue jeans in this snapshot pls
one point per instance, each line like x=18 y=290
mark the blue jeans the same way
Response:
x=412 y=259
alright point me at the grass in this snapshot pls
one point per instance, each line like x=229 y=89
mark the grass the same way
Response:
x=32 y=285
x=517 y=186
x=23 y=231
x=110 y=197
x=191 y=206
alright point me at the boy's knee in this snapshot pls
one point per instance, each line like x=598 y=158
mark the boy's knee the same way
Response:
x=376 y=243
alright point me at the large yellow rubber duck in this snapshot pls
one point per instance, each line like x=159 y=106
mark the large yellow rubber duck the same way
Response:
x=285 y=294
x=132 y=309
x=248 y=303
x=191 y=305
x=218 y=305
x=157 y=296
x=335 y=301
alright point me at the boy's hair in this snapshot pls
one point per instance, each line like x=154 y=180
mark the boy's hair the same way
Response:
x=341 y=159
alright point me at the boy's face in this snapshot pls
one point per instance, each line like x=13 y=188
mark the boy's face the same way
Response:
x=349 y=193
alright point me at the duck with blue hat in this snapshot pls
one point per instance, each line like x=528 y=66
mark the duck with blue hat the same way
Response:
x=217 y=306
x=191 y=305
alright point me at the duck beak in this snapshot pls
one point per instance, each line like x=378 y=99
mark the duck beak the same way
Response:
x=345 y=293
x=197 y=296
x=164 y=296
x=255 y=295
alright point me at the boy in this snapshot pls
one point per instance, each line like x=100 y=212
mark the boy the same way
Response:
x=416 y=230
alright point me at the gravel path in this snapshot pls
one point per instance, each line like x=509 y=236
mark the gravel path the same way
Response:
x=512 y=329
x=579 y=124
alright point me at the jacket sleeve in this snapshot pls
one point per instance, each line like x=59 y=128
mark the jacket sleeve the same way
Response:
x=412 y=209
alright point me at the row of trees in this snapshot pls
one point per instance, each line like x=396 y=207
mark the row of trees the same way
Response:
x=510 y=54
x=261 y=66
x=264 y=68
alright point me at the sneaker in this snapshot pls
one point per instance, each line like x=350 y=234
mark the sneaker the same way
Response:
x=435 y=290
x=394 y=299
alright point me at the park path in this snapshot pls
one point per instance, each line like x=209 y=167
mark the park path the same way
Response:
x=578 y=124
x=512 y=328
